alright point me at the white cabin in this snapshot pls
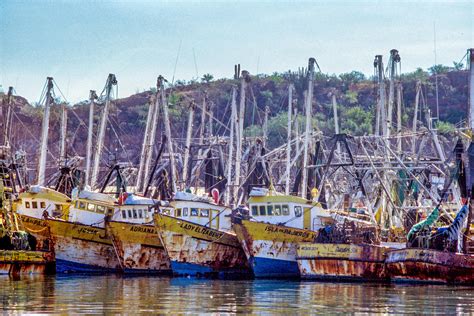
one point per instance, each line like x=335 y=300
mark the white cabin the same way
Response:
x=38 y=201
x=200 y=210
x=288 y=210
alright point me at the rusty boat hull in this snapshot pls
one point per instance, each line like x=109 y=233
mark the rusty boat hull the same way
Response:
x=197 y=250
x=271 y=249
x=430 y=266
x=342 y=262
x=39 y=229
x=138 y=248
x=82 y=248
x=21 y=262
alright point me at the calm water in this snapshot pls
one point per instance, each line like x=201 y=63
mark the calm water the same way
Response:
x=116 y=294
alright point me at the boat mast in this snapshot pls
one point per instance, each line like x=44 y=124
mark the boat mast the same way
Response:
x=265 y=126
x=164 y=103
x=62 y=151
x=151 y=139
x=394 y=58
x=309 y=103
x=380 y=125
x=240 y=135
x=291 y=87
x=146 y=149
x=111 y=81
x=415 y=116
x=92 y=98
x=230 y=159
x=202 y=128
x=399 y=117
x=44 y=132
x=336 y=119
x=8 y=118
x=187 y=146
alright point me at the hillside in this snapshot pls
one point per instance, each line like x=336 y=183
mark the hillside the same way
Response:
x=356 y=97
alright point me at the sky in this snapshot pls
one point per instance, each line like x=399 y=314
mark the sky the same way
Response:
x=80 y=42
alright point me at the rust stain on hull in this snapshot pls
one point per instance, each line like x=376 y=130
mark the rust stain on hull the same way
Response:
x=432 y=266
x=207 y=249
x=16 y=262
x=342 y=262
x=82 y=247
x=138 y=248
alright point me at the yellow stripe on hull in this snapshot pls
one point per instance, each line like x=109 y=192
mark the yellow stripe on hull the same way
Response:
x=179 y=226
x=82 y=245
x=196 y=249
x=249 y=230
x=138 y=247
x=16 y=262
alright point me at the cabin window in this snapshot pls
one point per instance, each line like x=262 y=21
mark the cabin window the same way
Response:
x=262 y=211
x=42 y=204
x=269 y=210
x=277 y=210
x=100 y=209
x=27 y=204
x=34 y=204
x=90 y=207
x=285 y=210
x=110 y=211
x=57 y=210
x=140 y=213
x=178 y=212
x=129 y=213
x=298 y=211
x=185 y=211
x=194 y=212
x=254 y=210
x=124 y=214
x=82 y=205
x=204 y=213
x=134 y=213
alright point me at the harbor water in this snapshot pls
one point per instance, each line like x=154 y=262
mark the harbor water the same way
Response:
x=112 y=294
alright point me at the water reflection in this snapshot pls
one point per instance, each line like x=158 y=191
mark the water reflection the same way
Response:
x=116 y=294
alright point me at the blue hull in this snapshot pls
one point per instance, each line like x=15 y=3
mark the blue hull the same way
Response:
x=146 y=271
x=191 y=269
x=274 y=268
x=197 y=270
x=64 y=266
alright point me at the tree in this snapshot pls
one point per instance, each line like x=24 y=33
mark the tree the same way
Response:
x=353 y=76
x=207 y=78
x=438 y=69
x=418 y=74
x=458 y=66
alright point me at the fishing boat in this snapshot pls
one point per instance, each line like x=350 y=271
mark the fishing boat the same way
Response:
x=198 y=238
x=135 y=238
x=19 y=252
x=441 y=254
x=436 y=264
x=347 y=252
x=276 y=224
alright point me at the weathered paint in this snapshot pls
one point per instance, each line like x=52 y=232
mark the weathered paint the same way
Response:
x=82 y=248
x=271 y=249
x=39 y=229
x=432 y=266
x=198 y=250
x=18 y=262
x=138 y=247
x=342 y=262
